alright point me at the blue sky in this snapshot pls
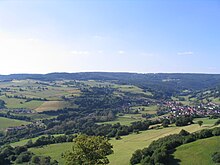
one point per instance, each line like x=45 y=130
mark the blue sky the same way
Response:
x=145 y=36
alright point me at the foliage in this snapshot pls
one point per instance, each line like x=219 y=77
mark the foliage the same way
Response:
x=136 y=157
x=217 y=122
x=216 y=157
x=184 y=132
x=165 y=123
x=200 y=123
x=183 y=121
x=2 y=104
x=24 y=157
x=45 y=140
x=216 y=131
x=89 y=150
x=20 y=155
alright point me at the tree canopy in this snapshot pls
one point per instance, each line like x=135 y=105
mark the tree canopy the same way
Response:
x=88 y=150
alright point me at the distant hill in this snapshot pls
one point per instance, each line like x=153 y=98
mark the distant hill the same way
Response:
x=170 y=82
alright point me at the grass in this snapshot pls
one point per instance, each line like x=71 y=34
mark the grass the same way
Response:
x=20 y=103
x=123 y=148
x=53 y=150
x=123 y=120
x=121 y=88
x=37 y=116
x=206 y=121
x=5 y=123
x=132 y=89
x=186 y=102
x=198 y=152
x=23 y=142
x=216 y=100
x=152 y=109
x=52 y=105
x=127 y=119
x=32 y=89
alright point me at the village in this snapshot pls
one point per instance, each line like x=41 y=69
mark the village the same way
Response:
x=177 y=109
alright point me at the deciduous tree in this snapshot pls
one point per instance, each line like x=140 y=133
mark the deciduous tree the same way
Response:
x=88 y=150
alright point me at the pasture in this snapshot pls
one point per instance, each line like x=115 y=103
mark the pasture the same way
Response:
x=152 y=109
x=12 y=103
x=5 y=123
x=52 y=105
x=53 y=150
x=124 y=148
x=206 y=121
x=198 y=152
x=121 y=88
x=123 y=120
x=15 y=92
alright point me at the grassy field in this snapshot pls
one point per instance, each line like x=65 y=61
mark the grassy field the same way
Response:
x=52 y=105
x=23 y=142
x=216 y=100
x=132 y=89
x=186 y=102
x=123 y=148
x=127 y=119
x=123 y=120
x=121 y=88
x=53 y=150
x=5 y=123
x=36 y=89
x=206 y=121
x=20 y=103
x=152 y=109
x=198 y=152
x=39 y=106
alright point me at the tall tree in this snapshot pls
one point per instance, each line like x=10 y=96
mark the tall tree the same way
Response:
x=200 y=122
x=89 y=150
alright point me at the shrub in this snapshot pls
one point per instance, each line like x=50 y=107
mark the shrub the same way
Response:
x=136 y=157
x=184 y=133
x=24 y=157
x=216 y=131
x=216 y=157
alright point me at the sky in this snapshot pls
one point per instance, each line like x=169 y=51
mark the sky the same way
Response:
x=144 y=36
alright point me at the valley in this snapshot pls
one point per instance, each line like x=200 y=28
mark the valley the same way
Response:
x=132 y=114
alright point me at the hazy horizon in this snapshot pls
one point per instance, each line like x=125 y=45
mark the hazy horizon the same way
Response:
x=112 y=72
x=110 y=36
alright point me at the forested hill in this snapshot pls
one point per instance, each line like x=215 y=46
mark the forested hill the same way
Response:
x=169 y=81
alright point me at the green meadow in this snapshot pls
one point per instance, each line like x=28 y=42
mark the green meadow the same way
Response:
x=198 y=152
x=206 y=121
x=5 y=123
x=36 y=89
x=124 y=148
x=20 y=103
x=152 y=109
x=123 y=120
x=54 y=150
